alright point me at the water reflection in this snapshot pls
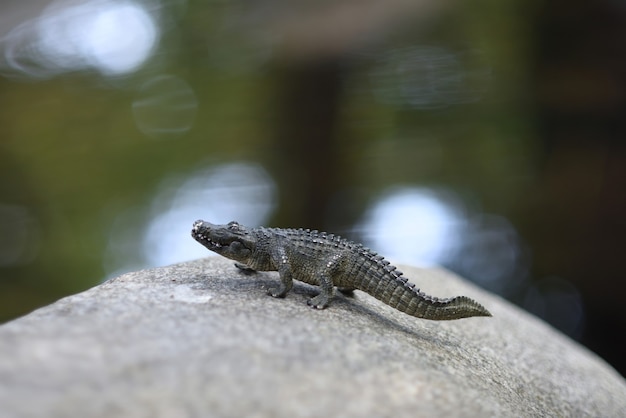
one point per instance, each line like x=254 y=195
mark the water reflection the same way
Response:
x=165 y=107
x=114 y=37
x=237 y=191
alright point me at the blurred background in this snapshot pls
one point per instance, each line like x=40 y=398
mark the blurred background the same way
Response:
x=487 y=137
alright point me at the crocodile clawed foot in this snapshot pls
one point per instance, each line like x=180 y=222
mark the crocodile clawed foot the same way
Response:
x=245 y=269
x=319 y=302
x=277 y=292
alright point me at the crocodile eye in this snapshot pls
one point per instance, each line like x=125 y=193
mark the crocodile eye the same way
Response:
x=233 y=226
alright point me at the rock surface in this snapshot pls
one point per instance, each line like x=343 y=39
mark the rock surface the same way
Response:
x=200 y=339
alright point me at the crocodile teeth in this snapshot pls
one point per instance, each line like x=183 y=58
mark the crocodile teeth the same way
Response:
x=208 y=240
x=213 y=243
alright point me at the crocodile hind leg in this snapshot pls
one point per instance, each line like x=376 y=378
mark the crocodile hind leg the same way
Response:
x=326 y=293
x=326 y=284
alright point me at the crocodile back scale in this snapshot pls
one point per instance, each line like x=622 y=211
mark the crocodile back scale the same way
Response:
x=327 y=261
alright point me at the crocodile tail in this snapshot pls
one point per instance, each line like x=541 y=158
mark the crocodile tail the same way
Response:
x=397 y=292
x=377 y=277
x=411 y=301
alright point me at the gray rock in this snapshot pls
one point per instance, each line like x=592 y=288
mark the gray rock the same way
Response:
x=200 y=339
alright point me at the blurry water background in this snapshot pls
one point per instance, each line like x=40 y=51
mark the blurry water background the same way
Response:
x=487 y=137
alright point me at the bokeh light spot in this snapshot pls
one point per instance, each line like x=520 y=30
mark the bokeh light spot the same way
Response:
x=427 y=77
x=412 y=225
x=161 y=234
x=120 y=39
x=237 y=191
x=490 y=252
x=114 y=37
x=165 y=107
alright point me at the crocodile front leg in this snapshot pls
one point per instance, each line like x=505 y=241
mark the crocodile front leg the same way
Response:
x=286 y=279
x=286 y=283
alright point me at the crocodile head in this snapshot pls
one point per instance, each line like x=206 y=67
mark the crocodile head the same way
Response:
x=232 y=240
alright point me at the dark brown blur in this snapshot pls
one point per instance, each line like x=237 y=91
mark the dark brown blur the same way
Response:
x=576 y=221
